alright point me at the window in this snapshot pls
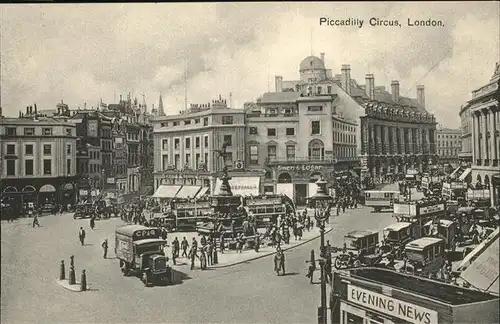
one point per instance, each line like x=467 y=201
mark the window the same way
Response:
x=329 y=89
x=271 y=132
x=187 y=122
x=47 y=131
x=197 y=121
x=68 y=166
x=188 y=143
x=188 y=159
x=164 y=124
x=176 y=143
x=68 y=149
x=319 y=90
x=47 y=149
x=164 y=161
x=272 y=112
x=253 y=130
x=11 y=149
x=69 y=132
x=29 y=131
x=290 y=152
x=28 y=167
x=254 y=154
x=315 y=127
x=290 y=131
x=206 y=159
x=164 y=144
x=28 y=149
x=206 y=141
x=271 y=152
x=11 y=167
x=197 y=142
x=315 y=108
x=47 y=167
x=227 y=120
x=11 y=131
x=228 y=139
x=175 y=123
x=177 y=161
x=205 y=121
x=197 y=160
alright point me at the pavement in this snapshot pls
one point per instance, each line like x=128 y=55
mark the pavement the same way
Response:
x=247 y=293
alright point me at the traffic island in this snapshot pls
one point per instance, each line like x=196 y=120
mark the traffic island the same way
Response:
x=231 y=257
x=77 y=287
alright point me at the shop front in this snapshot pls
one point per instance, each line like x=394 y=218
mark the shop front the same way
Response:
x=374 y=295
x=298 y=181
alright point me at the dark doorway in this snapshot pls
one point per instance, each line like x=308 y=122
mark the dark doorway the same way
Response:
x=300 y=194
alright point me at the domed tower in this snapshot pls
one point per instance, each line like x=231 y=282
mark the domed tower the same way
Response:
x=312 y=69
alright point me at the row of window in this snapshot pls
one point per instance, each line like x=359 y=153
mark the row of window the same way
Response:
x=448 y=144
x=30 y=131
x=448 y=136
x=344 y=138
x=187 y=142
x=226 y=120
x=95 y=155
x=28 y=149
x=289 y=131
x=177 y=163
x=29 y=167
x=448 y=152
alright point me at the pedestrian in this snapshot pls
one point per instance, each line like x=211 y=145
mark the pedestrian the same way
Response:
x=81 y=235
x=221 y=242
x=210 y=251
x=203 y=240
x=184 y=246
x=92 y=222
x=175 y=246
x=192 y=255
x=35 y=221
x=105 y=248
x=174 y=253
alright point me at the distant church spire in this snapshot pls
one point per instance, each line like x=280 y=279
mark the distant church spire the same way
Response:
x=161 y=112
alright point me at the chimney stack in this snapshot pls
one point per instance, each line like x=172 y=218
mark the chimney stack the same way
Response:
x=27 y=110
x=370 y=86
x=395 y=90
x=323 y=57
x=278 y=81
x=421 y=95
x=20 y=114
x=346 y=78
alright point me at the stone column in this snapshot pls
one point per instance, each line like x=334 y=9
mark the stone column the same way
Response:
x=394 y=140
x=410 y=139
x=387 y=145
x=373 y=143
x=419 y=141
x=378 y=140
x=428 y=140
x=493 y=139
x=484 y=130
x=402 y=141
x=475 y=137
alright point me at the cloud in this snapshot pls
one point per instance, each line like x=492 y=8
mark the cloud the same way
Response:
x=84 y=52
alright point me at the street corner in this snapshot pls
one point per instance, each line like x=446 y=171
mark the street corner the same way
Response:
x=237 y=258
x=77 y=287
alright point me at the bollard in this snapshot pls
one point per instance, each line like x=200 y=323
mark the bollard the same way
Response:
x=215 y=258
x=72 y=276
x=83 y=281
x=62 y=273
x=72 y=261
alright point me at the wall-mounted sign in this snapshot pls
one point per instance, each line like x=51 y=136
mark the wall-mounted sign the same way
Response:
x=303 y=167
x=92 y=128
x=431 y=209
x=391 y=306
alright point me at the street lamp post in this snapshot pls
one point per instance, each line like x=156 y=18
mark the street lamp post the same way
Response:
x=322 y=205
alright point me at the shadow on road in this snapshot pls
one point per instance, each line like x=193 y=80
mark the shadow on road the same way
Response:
x=290 y=274
x=111 y=258
x=179 y=277
x=88 y=244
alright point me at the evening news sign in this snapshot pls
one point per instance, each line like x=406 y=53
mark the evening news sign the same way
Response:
x=391 y=306
x=305 y=167
x=431 y=209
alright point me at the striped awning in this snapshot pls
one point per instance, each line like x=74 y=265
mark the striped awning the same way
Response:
x=202 y=192
x=465 y=174
x=166 y=191
x=188 y=192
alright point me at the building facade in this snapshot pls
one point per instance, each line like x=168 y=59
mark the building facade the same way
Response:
x=465 y=154
x=449 y=145
x=38 y=159
x=486 y=135
x=186 y=144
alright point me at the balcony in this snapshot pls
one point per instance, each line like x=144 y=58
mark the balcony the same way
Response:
x=307 y=159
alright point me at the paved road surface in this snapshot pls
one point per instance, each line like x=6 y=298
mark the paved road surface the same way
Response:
x=247 y=293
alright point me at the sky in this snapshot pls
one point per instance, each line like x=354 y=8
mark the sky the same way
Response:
x=82 y=53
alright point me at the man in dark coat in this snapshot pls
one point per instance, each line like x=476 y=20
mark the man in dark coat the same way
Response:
x=81 y=236
x=105 y=248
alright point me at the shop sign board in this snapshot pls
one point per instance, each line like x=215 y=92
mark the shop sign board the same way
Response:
x=391 y=306
x=431 y=209
x=299 y=167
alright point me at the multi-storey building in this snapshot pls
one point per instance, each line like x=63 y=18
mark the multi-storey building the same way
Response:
x=486 y=135
x=186 y=144
x=38 y=159
x=465 y=154
x=449 y=145
x=296 y=139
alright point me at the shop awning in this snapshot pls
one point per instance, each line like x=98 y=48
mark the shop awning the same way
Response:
x=483 y=272
x=166 y=191
x=455 y=171
x=202 y=192
x=465 y=174
x=188 y=192
x=286 y=189
x=477 y=250
x=244 y=186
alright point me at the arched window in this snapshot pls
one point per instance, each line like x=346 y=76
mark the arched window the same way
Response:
x=316 y=150
x=268 y=175
x=285 y=178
